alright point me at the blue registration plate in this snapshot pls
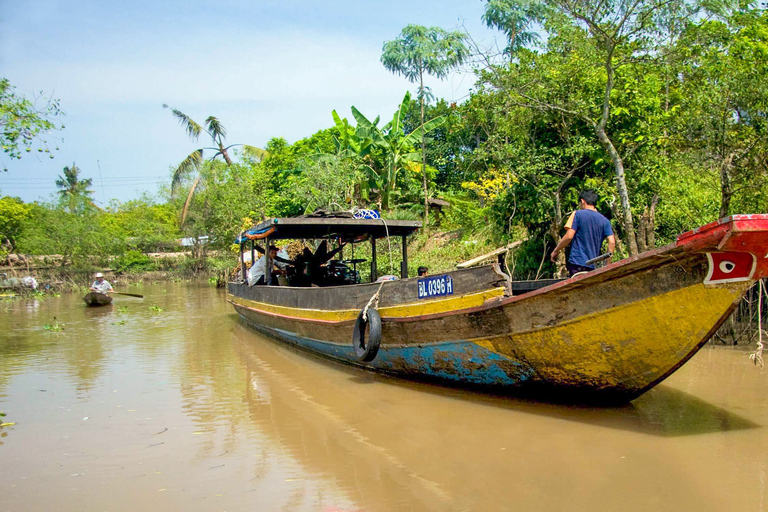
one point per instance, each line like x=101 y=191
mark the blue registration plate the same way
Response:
x=435 y=286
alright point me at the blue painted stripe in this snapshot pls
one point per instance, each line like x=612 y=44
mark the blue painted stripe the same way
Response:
x=456 y=361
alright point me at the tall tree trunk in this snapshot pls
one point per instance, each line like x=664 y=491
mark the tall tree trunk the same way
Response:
x=224 y=153
x=646 y=238
x=726 y=188
x=618 y=163
x=557 y=224
x=642 y=229
x=188 y=201
x=616 y=215
x=651 y=231
x=386 y=193
x=424 y=155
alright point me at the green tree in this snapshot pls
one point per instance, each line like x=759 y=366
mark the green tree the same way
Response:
x=325 y=181
x=71 y=227
x=451 y=145
x=515 y=18
x=71 y=184
x=192 y=164
x=395 y=147
x=725 y=100
x=13 y=213
x=146 y=224
x=608 y=37
x=22 y=122
x=227 y=195
x=418 y=51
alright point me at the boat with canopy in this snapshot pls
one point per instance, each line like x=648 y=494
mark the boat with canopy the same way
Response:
x=608 y=335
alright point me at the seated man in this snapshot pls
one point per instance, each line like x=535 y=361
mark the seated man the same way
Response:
x=258 y=271
x=101 y=285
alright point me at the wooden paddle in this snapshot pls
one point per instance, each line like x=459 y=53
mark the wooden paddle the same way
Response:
x=128 y=294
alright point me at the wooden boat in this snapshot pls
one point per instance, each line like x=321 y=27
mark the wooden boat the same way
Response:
x=607 y=335
x=97 y=299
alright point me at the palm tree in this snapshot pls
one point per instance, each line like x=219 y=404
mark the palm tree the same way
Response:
x=194 y=162
x=421 y=50
x=71 y=185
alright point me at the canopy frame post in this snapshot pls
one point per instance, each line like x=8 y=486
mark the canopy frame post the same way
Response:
x=267 y=262
x=404 y=263
x=242 y=258
x=374 y=273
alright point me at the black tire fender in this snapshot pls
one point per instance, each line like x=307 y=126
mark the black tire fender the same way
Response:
x=366 y=352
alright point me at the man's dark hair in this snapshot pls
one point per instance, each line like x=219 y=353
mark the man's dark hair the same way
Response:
x=422 y=270
x=589 y=197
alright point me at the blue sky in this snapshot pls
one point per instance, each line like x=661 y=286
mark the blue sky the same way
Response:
x=263 y=68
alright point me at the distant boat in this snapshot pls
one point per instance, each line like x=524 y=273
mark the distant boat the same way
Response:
x=97 y=299
x=608 y=335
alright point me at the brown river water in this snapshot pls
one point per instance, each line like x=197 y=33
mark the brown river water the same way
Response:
x=133 y=409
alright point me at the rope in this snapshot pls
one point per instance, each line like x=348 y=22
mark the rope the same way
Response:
x=757 y=356
x=374 y=299
x=389 y=244
x=362 y=213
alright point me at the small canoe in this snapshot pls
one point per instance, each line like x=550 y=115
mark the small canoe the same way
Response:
x=97 y=299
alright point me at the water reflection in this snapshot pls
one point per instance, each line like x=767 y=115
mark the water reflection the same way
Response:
x=664 y=411
x=392 y=444
x=186 y=408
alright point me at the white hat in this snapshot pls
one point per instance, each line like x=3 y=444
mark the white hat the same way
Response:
x=99 y=274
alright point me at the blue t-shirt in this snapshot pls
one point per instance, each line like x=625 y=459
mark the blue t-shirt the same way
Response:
x=591 y=228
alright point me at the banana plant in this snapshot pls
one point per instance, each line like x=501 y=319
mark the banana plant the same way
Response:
x=396 y=146
x=356 y=144
x=352 y=142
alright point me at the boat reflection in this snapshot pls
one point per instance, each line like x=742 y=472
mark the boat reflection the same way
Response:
x=391 y=444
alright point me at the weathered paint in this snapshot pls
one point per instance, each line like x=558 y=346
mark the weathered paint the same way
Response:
x=457 y=361
x=622 y=348
x=415 y=309
x=616 y=331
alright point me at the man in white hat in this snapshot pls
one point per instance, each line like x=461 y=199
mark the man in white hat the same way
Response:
x=101 y=285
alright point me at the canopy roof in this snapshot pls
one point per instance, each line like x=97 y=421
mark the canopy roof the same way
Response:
x=324 y=227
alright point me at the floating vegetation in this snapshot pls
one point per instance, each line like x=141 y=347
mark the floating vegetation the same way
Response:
x=122 y=309
x=54 y=327
x=156 y=309
x=119 y=322
x=4 y=423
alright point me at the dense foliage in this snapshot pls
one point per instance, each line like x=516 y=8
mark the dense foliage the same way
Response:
x=24 y=123
x=659 y=106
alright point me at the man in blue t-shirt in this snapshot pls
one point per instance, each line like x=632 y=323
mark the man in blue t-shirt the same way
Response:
x=587 y=232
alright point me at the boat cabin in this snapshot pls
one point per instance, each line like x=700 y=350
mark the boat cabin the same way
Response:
x=319 y=267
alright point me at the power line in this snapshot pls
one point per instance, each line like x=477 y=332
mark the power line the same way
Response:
x=103 y=194
x=115 y=178
x=53 y=187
